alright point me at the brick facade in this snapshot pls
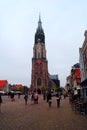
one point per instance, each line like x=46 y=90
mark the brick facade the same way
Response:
x=39 y=76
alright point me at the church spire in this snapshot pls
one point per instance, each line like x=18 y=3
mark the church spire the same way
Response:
x=39 y=23
x=39 y=17
x=39 y=32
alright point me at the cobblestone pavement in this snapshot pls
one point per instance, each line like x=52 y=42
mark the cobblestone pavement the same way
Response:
x=18 y=116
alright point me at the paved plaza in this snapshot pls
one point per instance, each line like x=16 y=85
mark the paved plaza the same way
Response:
x=18 y=116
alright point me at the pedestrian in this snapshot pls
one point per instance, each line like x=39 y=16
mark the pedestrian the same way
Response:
x=64 y=94
x=49 y=98
x=19 y=95
x=58 y=99
x=47 y=95
x=35 y=98
x=32 y=97
x=44 y=95
x=12 y=97
x=9 y=94
x=0 y=102
x=26 y=98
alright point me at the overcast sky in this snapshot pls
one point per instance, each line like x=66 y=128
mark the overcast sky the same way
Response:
x=64 y=23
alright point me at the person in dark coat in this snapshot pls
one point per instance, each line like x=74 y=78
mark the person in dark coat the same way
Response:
x=44 y=95
x=19 y=95
x=12 y=97
x=49 y=97
x=0 y=102
x=26 y=98
x=58 y=99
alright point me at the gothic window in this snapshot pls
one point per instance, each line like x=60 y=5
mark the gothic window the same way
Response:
x=40 y=66
x=42 y=54
x=39 y=55
x=39 y=81
x=36 y=66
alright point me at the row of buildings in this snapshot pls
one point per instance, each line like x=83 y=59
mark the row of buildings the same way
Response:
x=5 y=87
x=77 y=80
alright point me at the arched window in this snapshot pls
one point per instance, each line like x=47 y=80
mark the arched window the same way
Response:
x=39 y=81
x=38 y=54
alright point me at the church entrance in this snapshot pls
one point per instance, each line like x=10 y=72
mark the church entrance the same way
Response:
x=39 y=82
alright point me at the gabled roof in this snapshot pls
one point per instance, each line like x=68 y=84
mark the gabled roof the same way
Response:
x=53 y=77
x=68 y=78
x=2 y=83
x=77 y=65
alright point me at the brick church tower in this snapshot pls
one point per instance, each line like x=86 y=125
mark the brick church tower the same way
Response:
x=39 y=76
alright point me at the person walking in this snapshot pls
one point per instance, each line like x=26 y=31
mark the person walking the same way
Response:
x=26 y=98
x=44 y=95
x=32 y=97
x=49 y=96
x=35 y=98
x=58 y=99
x=19 y=95
x=0 y=102
x=12 y=97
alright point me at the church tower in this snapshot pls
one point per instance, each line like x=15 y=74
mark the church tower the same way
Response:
x=39 y=76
